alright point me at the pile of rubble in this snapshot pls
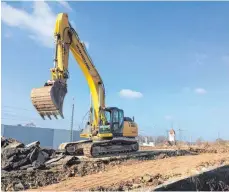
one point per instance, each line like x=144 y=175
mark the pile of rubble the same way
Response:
x=31 y=166
x=17 y=156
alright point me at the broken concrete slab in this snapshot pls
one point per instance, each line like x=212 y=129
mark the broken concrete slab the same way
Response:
x=53 y=160
x=33 y=144
x=33 y=156
x=15 y=145
x=23 y=157
x=25 y=167
x=10 y=143
x=39 y=162
x=65 y=160
x=20 y=163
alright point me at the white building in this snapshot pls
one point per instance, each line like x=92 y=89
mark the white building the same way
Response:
x=146 y=143
x=172 y=136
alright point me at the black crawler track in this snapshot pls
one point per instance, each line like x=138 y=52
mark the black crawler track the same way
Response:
x=98 y=148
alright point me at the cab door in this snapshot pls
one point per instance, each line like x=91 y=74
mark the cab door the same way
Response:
x=117 y=122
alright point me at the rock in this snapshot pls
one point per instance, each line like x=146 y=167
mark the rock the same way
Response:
x=20 y=163
x=71 y=160
x=7 y=153
x=19 y=187
x=30 y=169
x=39 y=163
x=25 y=167
x=54 y=160
x=3 y=141
x=15 y=145
x=9 y=187
x=50 y=152
x=135 y=186
x=26 y=151
x=10 y=143
x=12 y=158
x=46 y=155
x=71 y=174
x=7 y=166
x=146 y=178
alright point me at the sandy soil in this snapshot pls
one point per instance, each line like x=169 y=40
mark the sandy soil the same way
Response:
x=173 y=167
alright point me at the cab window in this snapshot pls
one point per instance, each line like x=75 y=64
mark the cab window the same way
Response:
x=121 y=118
x=115 y=116
x=108 y=117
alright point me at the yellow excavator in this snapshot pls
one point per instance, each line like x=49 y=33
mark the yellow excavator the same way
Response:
x=108 y=131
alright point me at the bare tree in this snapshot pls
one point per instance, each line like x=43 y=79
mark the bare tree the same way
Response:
x=199 y=141
x=160 y=139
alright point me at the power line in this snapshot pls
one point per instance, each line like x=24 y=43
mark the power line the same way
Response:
x=13 y=107
x=12 y=112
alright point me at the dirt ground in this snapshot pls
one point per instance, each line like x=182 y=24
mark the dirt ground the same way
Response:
x=143 y=173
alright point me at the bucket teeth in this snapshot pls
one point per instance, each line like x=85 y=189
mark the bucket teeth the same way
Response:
x=49 y=99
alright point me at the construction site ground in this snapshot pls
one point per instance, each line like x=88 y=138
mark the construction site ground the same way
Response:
x=141 y=173
x=148 y=168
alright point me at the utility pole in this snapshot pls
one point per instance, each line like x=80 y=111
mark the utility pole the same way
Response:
x=180 y=132
x=71 y=131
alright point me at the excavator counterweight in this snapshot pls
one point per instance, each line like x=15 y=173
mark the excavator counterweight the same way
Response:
x=48 y=100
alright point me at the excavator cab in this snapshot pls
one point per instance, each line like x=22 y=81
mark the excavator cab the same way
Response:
x=113 y=123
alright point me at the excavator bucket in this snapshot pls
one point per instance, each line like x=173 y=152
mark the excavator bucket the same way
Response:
x=49 y=99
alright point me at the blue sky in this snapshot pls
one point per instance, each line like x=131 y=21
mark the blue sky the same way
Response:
x=161 y=62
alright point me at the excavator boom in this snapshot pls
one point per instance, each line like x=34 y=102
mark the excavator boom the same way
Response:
x=49 y=99
x=108 y=130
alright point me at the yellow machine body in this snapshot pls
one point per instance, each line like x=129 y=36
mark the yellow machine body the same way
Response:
x=105 y=123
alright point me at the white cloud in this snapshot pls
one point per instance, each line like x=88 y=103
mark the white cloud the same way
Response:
x=40 y=23
x=168 y=117
x=200 y=91
x=65 y=4
x=127 y=93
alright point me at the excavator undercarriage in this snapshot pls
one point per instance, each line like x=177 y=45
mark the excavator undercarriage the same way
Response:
x=91 y=148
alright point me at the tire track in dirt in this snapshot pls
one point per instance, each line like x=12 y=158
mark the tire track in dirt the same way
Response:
x=169 y=167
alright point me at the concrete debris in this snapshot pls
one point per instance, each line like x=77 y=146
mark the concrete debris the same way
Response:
x=15 y=155
x=35 y=143
x=10 y=143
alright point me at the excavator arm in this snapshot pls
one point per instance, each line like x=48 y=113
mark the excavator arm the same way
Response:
x=109 y=131
x=49 y=99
